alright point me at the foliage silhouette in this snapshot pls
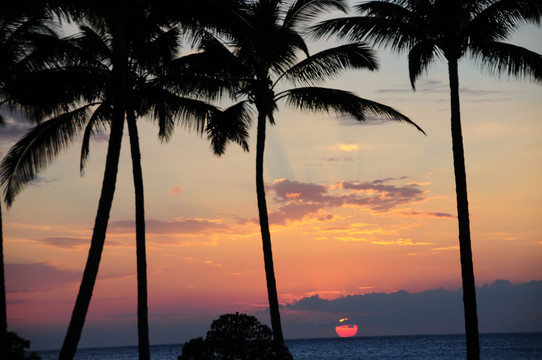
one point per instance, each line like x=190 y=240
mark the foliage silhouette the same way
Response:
x=25 y=35
x=451 y=29
x=110 y=72
x=234 y=336
x=264 y=43
x=18 y=348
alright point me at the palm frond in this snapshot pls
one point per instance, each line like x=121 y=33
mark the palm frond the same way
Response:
x=18 y=34
x=395 y=10
x=23 y=44
x=209 y=74
x=502 y=58
x=168 y=108
x=37 y=149
x=344 y=28
x=101 y=117
x=284 y=49
x=304 y=11
x=46 y=50
x=391 y=24
x=330 y=62
x=398 y=36
x=160 y=49
x=420 y=57
x=55 y=90
x=342 y=103
x=93 y=42
x=500 y=18
x=229 y=125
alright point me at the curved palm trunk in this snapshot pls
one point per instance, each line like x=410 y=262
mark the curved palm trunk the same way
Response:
x=266 y=237
x=69 y=347
x=90 y=273
x=142 y=306
x=467 y=268
x=3 y=309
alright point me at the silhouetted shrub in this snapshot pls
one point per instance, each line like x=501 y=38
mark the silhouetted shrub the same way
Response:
x=17 y=348
x=234 y=337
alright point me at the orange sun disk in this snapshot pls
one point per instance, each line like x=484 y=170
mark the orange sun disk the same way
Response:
x=346 y=330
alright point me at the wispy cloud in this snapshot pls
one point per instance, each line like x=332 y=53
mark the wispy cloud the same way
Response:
x=300 y=199
x=422 y=86
x=36 y=277
x=403 y=242
x=176 y=190
x=40 y=277
x=330 y=161
x=65 y=242
x=427 y=214
x=180 y=225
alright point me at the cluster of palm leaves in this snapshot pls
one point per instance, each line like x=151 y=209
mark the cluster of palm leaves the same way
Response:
x=123 y=65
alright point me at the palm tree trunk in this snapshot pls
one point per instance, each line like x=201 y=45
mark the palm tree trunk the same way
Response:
x=90 y=273
x=75 y=328
x=142 y=307
x=467 y=268
x=3 y=309
x=266 y=237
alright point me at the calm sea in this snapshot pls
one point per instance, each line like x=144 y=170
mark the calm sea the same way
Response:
x=430 y=347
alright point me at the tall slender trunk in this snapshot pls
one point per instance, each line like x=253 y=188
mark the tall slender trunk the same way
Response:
x=266 y=236
x=75 y=328
x=465 y=250
x=142 y=305
x=90 y=273
x=3 y=308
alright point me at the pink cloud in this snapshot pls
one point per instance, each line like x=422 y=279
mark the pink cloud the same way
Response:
x=65 y=242
x=293 y=195
x=175 y=190
x=70 y=243
x=38 y=277
x=427 y=214
x=300 y=200
x=305 y=191
x=382 y=197
x=293 y=211
x=177 y=226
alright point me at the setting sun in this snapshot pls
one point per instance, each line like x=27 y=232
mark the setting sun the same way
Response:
x=346 y=329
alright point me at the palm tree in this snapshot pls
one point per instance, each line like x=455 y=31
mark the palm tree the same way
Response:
x=264 y=41
x=449 y=29
x=145 y=49
x=24 y=35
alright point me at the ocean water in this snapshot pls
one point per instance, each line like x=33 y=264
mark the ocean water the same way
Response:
x=419 y=347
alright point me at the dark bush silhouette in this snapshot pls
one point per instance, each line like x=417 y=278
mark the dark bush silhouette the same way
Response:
x=234 y=337
x=17 y=348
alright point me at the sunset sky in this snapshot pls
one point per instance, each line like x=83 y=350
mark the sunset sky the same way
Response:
x=355 y=209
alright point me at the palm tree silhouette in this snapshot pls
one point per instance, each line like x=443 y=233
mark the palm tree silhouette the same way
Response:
x=24 y=36
x=44 y=142
x=120 y=67
x=264 y=41
x=449 y=29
